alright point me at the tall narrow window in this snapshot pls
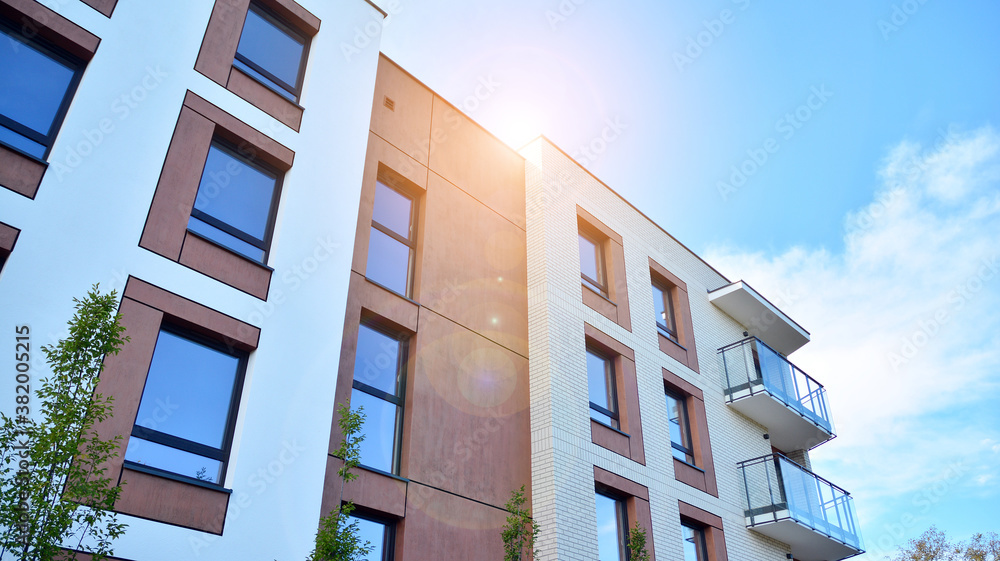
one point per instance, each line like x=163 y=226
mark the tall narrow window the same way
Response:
x=611 y=528
x=188 y=408
x=236 y=202
x=37 y=82
x=601 y=386
x=680 y=428
x=592 y=265
x=378 y=534
x=272 y=52
x=694 y=543
x=665 y=319
x=379 y=377
x=391 y=245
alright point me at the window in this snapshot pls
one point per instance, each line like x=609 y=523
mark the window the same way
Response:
x=378 y=534
x=272 y=52
x=680 y=428
x=601 y=385
x=391 y=244
x=379 y=377
x=665 y=319
x=188 y=408
x=612 y=527
x=236 y=202
x=694 y=543
x=37 y=82
x=592 y=265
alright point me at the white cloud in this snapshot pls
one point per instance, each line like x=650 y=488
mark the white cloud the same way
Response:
x=904 y=322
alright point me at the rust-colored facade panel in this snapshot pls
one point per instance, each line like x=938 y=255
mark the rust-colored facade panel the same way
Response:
x=264 y=98
x=36 y=18
x=371 y=491
x=715 y=540
x=249 y=140
x=477 y=162
x=474 y=266
x=105 y=7
x=598 y=303
x=620 y=484
x=439 y=525
x=173 y=502
x=700 y=516
x=689 y=475
x=20 y=173
x=684 y=351
x=615 y=307
x=221 y=39
x=177 y=188
x=8 y=237
x=407 y=125
x=703 y=478
x=606 y=437
x=466 y=416
x=640 y=513
x=226 y=266
x=630 y=444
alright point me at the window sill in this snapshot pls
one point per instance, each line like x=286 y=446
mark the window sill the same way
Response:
x=21 y=172
x=385 y=473
x=170 y=499
x=261 y=96
x=603 y=297
x=393 y=292
x=174 y=476
x=607 y=426
x=224 y=265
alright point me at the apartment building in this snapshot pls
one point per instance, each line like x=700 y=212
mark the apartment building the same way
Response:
x=305 y=225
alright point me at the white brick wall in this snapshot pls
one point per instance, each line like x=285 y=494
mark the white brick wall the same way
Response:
x=563 y=454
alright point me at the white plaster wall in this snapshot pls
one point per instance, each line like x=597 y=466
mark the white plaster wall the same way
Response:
x=85 y=223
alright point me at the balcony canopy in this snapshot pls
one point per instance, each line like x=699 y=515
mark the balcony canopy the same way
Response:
x=759 y=317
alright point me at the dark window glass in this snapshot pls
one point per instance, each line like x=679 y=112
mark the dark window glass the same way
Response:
x=391 y=244
x=379 y=368
x=271 y=52
x=378 y=535
x=694 y=543
x=680 y=428
x=36 y=84
x=592 y=265
x=611 y=527
x=186 y=414
x=235 y=203
x=665 y=322
x=601 y=386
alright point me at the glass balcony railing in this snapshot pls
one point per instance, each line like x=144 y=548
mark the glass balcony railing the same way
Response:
x=782 y=497
x=753 y=367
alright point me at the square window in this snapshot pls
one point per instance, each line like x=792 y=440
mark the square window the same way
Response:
x=379 y=536
x=37 y=83
x=272 y=52
x=392 y=244
x=187 y=413
x=612 y=527
x=235 y=204
x=666 y=321
x=601 y=386
x=592 y=265
x=379 y=379
x=694 y=543
x=680 y=428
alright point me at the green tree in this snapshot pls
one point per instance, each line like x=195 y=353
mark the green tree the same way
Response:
x=337 y=538
x=933 y=545
x=55 y=489
x=637 y=544
x=520 y=531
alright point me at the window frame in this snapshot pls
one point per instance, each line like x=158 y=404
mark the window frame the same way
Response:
x=272 y=212
x=271 y=17
x=60 y=55
x=388 y=537
x=668 y=330
x=410 y=242
x=222 y=454
x=597 y=285
x=611 y=384
x=402 y=361
x=701 y=547
x=621 y=518
x=681 y=348
x=687 y=449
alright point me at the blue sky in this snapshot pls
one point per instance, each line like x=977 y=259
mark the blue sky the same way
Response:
x=842 y=157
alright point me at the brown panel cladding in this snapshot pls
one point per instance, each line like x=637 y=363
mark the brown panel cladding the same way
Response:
x=265 y=99
x=223 y=265
x=105 y=7
x=606 y=437
x=408 y=126
x=636 y=499
x=615 y=307
x=620 y=484
x=372 y=491
x=639 y=513
x=477 y=162
x=467 y=418
x=221 y=39
x=599 y=304
x=451 y=527
x=20 y=173
x=703 y=478
x=628 y=398
x=712 y=525
x=474 y=266
x=37 y=19
x=174 y=502
x=686 y=352
x=258 y=145
x=8 y=237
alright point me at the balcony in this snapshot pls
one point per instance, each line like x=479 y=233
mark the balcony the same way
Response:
x=794 y=506
x=763 y=385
